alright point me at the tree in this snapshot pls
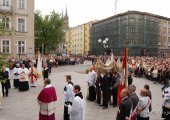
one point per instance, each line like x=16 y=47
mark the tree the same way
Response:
x=48 y=31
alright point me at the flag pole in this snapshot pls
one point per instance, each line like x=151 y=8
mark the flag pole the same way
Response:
x=126 y=67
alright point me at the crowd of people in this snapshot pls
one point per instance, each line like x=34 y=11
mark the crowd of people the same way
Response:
x=104 y=87
x=24 y=73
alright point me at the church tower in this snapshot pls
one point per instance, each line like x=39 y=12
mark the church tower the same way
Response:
x=66 y=21
x=61 y=47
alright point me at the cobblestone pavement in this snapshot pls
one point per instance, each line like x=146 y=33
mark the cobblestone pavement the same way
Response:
x=23 y=105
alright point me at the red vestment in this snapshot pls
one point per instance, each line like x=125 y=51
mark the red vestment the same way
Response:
x=47 y=99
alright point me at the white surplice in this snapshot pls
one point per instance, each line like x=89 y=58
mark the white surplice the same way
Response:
x=78 y=109
x=25 y=74
x=69 y=94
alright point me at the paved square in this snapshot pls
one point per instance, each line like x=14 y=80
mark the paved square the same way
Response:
x=23 y=105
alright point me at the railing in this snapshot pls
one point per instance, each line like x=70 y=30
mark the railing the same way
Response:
x=5 y=9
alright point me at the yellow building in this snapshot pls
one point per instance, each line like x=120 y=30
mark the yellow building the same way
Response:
x=78 y=39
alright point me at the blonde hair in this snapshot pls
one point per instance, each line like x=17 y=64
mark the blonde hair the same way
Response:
x=144 y=92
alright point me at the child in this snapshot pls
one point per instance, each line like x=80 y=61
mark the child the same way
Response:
x=149 y=95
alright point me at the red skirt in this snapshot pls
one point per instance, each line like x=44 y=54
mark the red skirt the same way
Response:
x=45 y=117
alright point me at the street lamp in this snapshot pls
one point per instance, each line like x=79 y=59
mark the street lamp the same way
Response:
x=65 y=45
x=104 y=42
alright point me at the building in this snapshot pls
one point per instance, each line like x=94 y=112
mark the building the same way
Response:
x=164 y=42
x=62 y=45
x=17 y=30
x=143 y=33
x=78 y=39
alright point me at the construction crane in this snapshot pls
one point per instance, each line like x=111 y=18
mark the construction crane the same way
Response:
x=116 y=6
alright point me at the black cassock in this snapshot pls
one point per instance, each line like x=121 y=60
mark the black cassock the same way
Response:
x=46 y=73
x=92 y=93
x=105 y=88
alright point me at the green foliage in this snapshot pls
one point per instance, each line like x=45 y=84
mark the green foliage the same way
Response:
x=2 y=61
x=48 y=30
x=6 y=30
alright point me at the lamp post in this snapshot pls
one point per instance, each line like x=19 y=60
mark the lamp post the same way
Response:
x=66 y=45
x=104 y=42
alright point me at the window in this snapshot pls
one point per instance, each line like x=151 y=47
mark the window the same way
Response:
x=5 y=2
x=21 y=24
x=164 y=24
x=5 y=22
x=21 y=47
x=5 y=46
x=22 y=4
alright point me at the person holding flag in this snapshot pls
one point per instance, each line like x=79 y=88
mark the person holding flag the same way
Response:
x=123 y=75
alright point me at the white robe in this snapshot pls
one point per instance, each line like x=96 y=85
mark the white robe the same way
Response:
x=77 y=110
x=26 y=72
x=69 y=94
x=16 y=70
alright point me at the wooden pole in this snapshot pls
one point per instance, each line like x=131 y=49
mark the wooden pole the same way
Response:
x=126 y=68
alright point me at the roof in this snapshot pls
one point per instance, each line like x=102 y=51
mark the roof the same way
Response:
x=132 y=12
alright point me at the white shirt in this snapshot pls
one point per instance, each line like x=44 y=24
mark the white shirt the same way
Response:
x=16 y=70
x=77 y=110
x=92 y=76
x=69 y=94
x=143 y=101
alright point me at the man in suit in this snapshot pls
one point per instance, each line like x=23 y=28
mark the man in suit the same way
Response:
x=114 y=88
x=133 y=95
x=125 y=106
x=105 y=87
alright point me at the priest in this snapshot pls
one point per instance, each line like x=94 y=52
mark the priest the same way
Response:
x=32 y=75
x=47 y=100
x=23 y=80
x=77 y=109
x=16 y=75
x=68 y=96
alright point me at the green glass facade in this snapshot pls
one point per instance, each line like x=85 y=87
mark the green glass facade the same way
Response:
x=139 y=32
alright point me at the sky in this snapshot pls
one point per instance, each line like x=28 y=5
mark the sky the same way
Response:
x=82 y=11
